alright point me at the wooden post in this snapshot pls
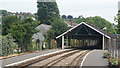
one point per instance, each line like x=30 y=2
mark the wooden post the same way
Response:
x=62 y=42
x=79 y=43
x=103 y=45
x=67 y=41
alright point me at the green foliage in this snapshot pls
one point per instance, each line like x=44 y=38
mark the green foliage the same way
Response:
x=64 y=17
x=117 y=19
x=70 y=17
x=101 y=23
x=118 y=30
x=7 y=22
x=4 y=13
x=36 y=46
x=58 y=27
x=36 y=16
x=113 y=61
x=98 y=22
x=106 y=55
x=47 y=11
x=23 y=32
x=8 y=45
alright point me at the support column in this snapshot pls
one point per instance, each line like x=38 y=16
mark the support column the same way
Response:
x=67 y=40
x=103 y=45
x=62 y=42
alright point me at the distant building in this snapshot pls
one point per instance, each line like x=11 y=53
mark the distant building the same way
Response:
x=23 y=15
x=70 y=24
x=42 y=29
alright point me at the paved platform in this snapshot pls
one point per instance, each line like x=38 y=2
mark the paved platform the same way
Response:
x=26 y=56
x=95 y=60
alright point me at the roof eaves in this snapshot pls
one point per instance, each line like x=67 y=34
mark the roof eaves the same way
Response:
x=86 y=25
x=97 y=30
x=69 y=30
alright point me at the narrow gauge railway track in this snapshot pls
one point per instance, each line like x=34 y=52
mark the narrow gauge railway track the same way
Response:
x=76 y=60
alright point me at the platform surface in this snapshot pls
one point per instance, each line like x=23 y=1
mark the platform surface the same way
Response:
x=95 y=60
x=26 y=56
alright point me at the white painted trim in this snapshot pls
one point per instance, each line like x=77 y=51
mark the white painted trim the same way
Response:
x=85 y=58
x=68 y=30
x=17 y=63
x=86 y=25
x=96 y=30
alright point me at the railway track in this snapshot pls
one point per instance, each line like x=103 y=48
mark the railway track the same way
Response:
x=77 y=60
x=66 y=59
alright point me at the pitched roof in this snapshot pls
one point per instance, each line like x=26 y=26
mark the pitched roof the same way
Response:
x=42 y=29
x=90 y=26
x=70 y=24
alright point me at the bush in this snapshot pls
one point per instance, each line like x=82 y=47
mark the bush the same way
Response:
x=113 y=61
x=8 y=45
x=118 y=61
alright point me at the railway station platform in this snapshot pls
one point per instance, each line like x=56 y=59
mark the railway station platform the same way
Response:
x=95 y=59
x=91 y=60
x=20 y=58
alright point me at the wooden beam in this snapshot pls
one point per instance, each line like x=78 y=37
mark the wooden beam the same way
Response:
x=62 y=42
x=103 y=43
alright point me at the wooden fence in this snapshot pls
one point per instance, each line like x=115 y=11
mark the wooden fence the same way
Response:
x=114 y=46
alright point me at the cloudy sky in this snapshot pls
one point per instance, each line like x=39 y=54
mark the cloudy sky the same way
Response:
x=104 y=8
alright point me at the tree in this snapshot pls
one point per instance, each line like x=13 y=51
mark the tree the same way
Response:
x=81 y=16
x=98 y=22
x=4 y=13
x=8 y=45
x=58 y=27
x=23 y=32
x=36 y=16
x=47 y=11
x=64 y=17
x=118 y=31
x=7 y=22
x=101 y=23
x=70 y=17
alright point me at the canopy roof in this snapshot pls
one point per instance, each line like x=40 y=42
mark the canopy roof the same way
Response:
x=103 y=33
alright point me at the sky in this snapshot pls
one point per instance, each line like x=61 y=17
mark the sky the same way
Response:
x=105 y=8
